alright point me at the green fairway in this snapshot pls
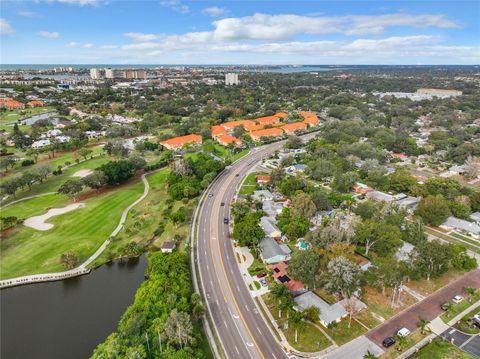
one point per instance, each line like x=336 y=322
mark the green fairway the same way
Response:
x=145 y=218
x=27 y=251
x=52 y=183
x=34 y=206
x=12 y=116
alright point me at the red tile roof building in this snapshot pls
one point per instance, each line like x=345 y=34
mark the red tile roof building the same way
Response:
x=11 y=104
x=225 y=140
x=36 y=103
x=280 y=274
x=268 y=132
x=263 y=179
x=309 y=118
x=230 y=126
x=218 y=130
x=293 y=127
x=268 y=120
x=282 y=115
x=178 y=142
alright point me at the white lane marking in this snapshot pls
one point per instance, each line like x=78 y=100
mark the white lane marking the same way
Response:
x=246 y=307
x=236 y=316
x=249 y=344
x=225 y=322
x=237 y=350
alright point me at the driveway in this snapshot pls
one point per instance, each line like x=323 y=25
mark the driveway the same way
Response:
x=428 y=308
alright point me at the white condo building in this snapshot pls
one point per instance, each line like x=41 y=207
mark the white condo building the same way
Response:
x=231 y=79
x=95 y=74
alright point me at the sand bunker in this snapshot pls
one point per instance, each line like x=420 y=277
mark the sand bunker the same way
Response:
x=38 y=222
x=82 y=173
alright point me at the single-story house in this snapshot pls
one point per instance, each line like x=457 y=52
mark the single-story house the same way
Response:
x=270 y=228
x=263 y=179
x=462 y=226
x=475 y=217
x=280 y=273
x=177 y=143
x=272 y=252
x=380 y=196
x=403 y=253
x=409 y=203
x=295 y=168
x=328 y=313
x=168 y=247
x=262 y=195
x=272 y=209
x=361 y=188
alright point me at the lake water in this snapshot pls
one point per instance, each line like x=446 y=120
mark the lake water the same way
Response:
x=35 y=118
x=67 y=319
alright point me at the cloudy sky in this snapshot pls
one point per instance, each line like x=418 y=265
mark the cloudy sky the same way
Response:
x=240 y=32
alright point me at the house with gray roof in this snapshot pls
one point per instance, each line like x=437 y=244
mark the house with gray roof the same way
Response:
x=409 y=203
x=475 y=217
x=453 y=223
x=329 y=313
x=272 y=252
x=262 y=195
x=380 y=196
x=269 y=227
x=271 y=208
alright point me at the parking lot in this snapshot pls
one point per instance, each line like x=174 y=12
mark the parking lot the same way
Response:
x=467 y=342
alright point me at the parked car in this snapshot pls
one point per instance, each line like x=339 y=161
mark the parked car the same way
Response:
x=261 y=275
x=237 y=175
x=476 y=320
x=222 y=204
x=225 y=220
x=404 y=332
x=210 y=195
x=388 y=342
x=263 y=282
x=445 y=305
x=457 y=299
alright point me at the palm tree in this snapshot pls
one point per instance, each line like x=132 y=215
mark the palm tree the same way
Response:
x=401 y=342
x=296 y=320
x=471 y=292
x=369 y=355
x=422 y=325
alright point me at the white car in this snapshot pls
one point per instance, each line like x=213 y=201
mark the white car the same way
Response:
x=457 y=299
x=404 y=332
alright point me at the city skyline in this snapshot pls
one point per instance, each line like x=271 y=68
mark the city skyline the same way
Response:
x=201 y=32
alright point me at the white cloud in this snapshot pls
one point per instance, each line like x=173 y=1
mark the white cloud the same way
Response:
x=26 y=13
x=140 y=37
x=72 y=44
x=5 y=27
x=78 y=2
x=49 y=34
x=214 y=11
x=109 y=47
x=284 y=27
x=175 y=5
x=88 y=45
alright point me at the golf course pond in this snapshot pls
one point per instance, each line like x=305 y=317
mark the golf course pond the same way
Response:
x=69 y=318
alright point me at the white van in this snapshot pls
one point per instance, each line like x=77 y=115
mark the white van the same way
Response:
x=404 y=332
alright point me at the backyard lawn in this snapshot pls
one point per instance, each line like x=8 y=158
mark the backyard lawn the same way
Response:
x=28 y=251
x=381 y=305
x=249 y=185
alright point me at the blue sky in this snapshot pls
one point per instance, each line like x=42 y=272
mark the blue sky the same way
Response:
x=240 y=32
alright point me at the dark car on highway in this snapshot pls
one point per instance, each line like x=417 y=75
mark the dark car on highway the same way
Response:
x=225 y=220
x=388 y=342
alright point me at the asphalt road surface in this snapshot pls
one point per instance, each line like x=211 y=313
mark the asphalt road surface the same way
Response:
x=237 y=321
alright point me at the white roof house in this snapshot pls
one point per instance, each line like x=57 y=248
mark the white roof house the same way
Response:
x=329 y=313
x=272 y=208
x=41 y=143
x=462 y=226
x=270 y=228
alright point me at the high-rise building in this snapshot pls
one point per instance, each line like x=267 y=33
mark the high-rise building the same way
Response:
x=231 y=79
x=135 y=74
x=110 y=73
x=96 y=74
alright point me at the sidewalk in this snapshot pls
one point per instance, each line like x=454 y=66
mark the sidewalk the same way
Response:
x=246 y=260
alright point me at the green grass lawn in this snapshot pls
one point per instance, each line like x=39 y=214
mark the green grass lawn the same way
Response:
x=310 y=339
x=460 y=307
x=463 y=323
x=34 y=206
x=52 y=183
x=341 y=333
x=12 y=116
x=144 y=219
x=472 y=245
x=366 y=318
x=27 y=251
x=397 y=349
x=240 y=154
x=439 y=349
x=256 y=267
x=249 y=184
